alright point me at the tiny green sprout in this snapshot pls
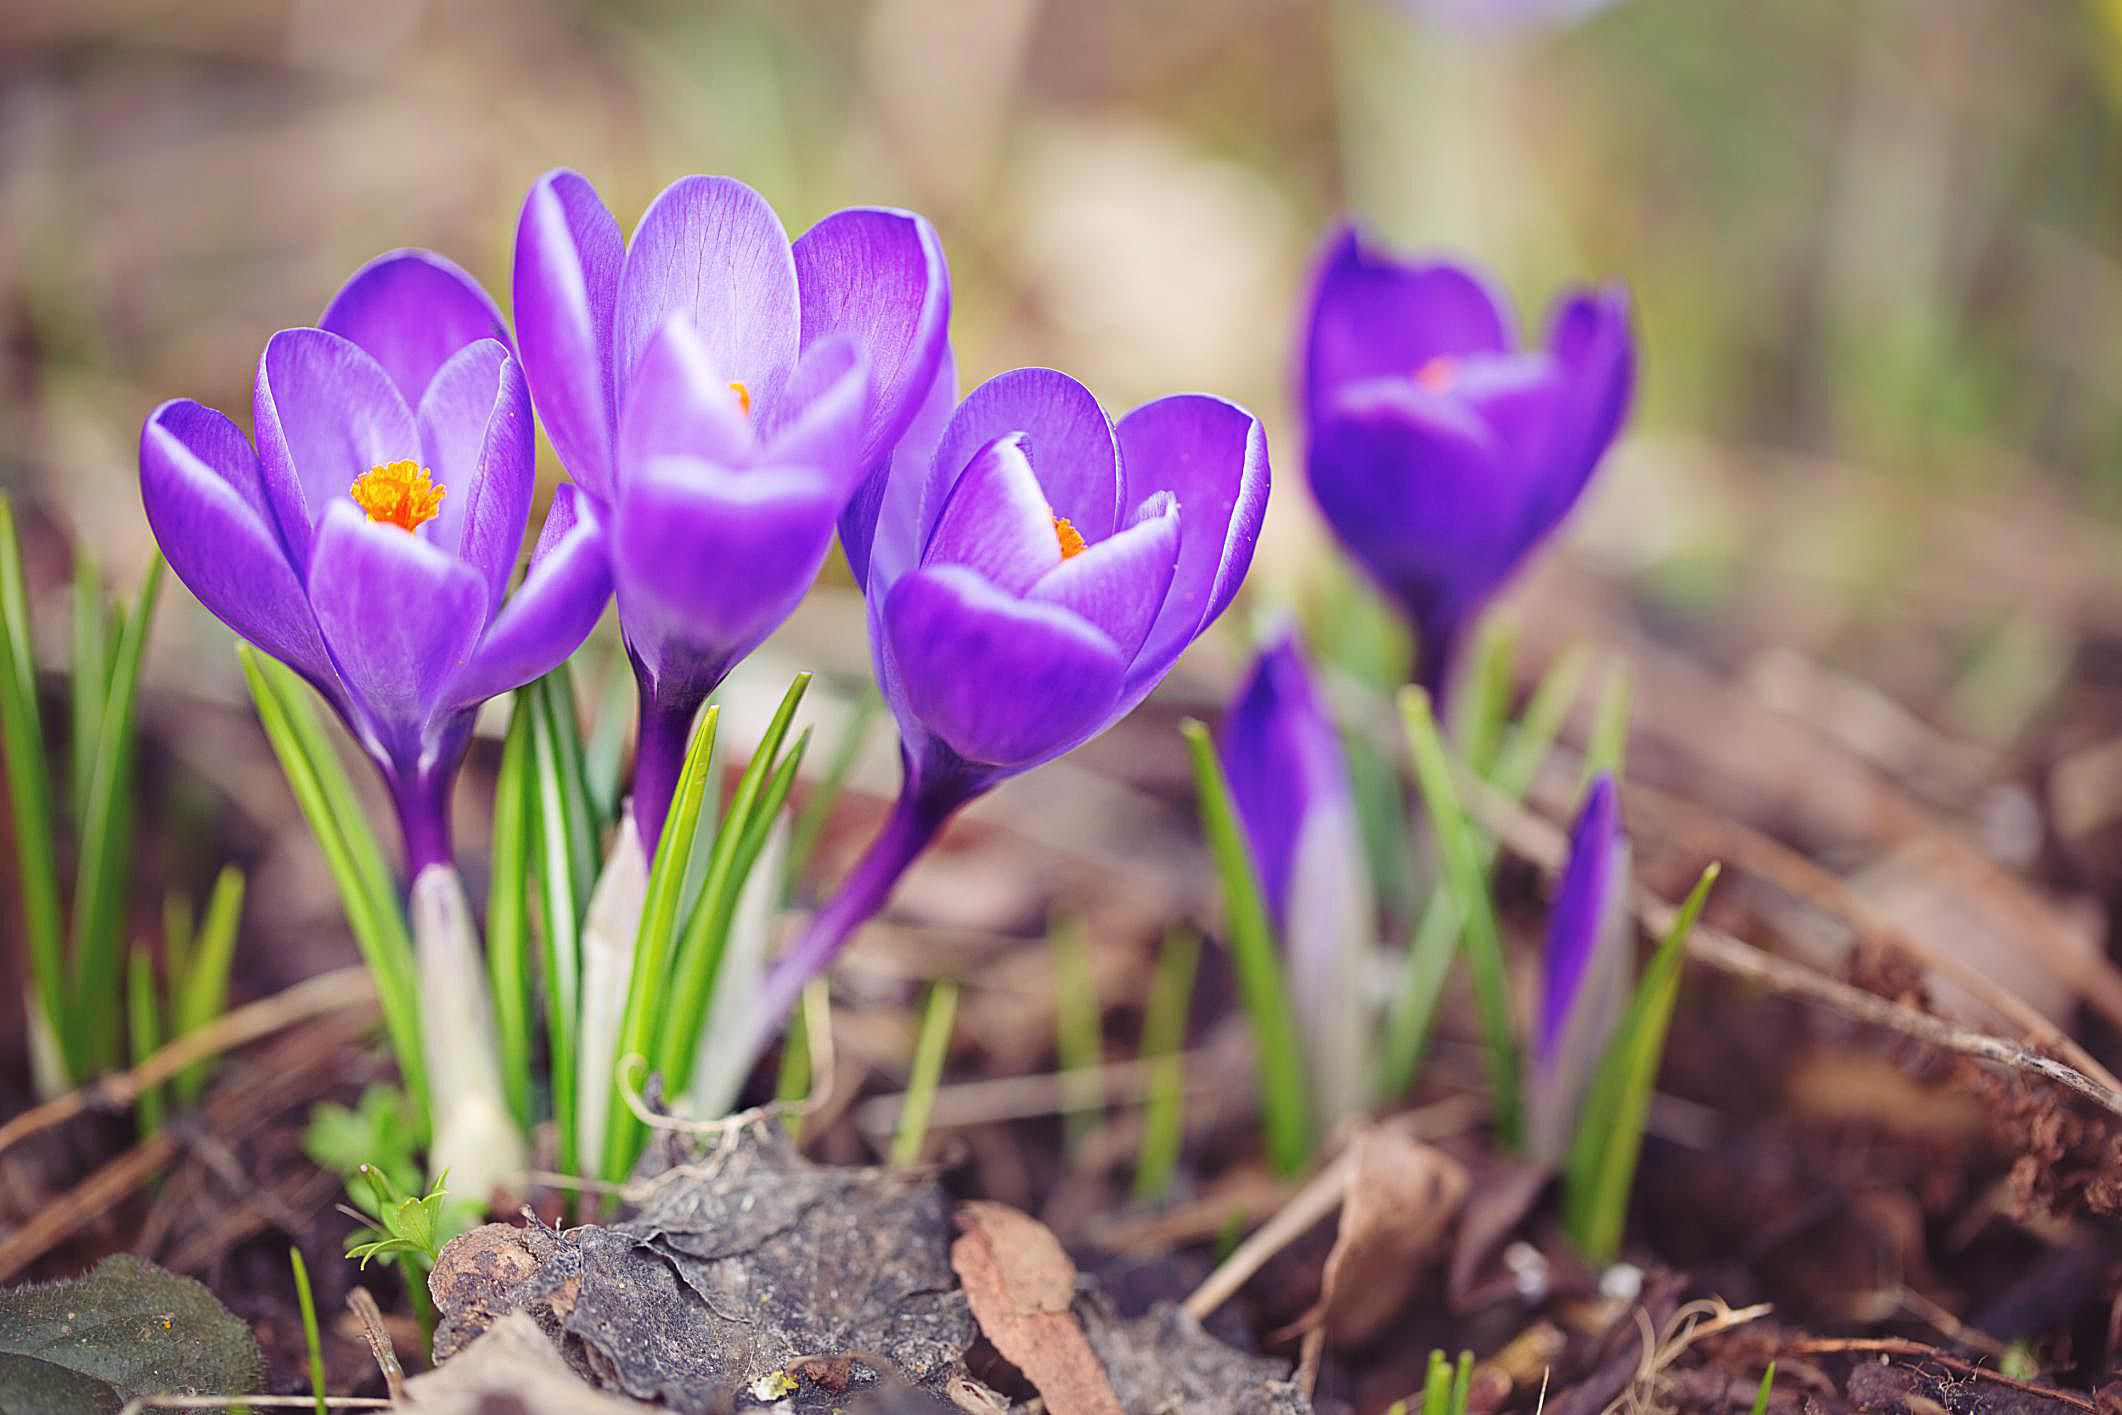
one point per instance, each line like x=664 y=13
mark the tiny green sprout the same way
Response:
x=410 y=1227
x=1768 y=1384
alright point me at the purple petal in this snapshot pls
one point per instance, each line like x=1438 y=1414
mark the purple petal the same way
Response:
x=1066 y=435
x=1282 y=755
x=400 y=617
x=1121 y=582
x=1591 y=343
x=475 y=425
x=884 y=525
x=205 y=500
x=1418 y=490
x=411 y=310
x=1584 y=974
x=997 y=521
x=816 y=419
x=1373 y=316
x=560 y=600
x=878 y=276
x=1000 y=681
x=679 y=404
x=710 y=248
x=709 y=561
x=568 y=257
x=1212 y=456
x=325 y=412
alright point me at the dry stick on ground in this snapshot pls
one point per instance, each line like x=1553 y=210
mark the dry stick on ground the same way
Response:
x=1902 y=1346
x=269 y=1089
x=1547 y=846
x=1740 y=845
x=1001 y=1098
x=1320 y=1196
x=326 y=993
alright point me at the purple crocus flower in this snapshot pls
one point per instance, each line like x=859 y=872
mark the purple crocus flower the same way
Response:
x=1440 y=452
x=725 y=393
x=1289 y=778
x=1031 y=572
x=1584 y=972
x=368 y=540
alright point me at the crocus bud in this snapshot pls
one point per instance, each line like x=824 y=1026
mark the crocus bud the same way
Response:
x=1583 y=974
x=724 y=393
x=1440 y=451
x=1289 y=778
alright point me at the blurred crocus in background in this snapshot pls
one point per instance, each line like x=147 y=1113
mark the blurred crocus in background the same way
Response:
x=1289 y=779
x=1030 y=576
x=724 y=393
x=1584 y=975
x=369 y=540
x=1440 y=450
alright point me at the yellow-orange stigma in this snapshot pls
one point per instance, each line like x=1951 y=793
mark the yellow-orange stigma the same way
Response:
x=1071 y=539
x=1438 y=374
x=398 y=494
x=744 y=397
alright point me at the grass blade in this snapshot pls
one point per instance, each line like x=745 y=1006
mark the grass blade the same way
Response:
x=1466 y=877
x=1482 y=708
x=307 y=1301
x=652 y=948
x=931 y=1049
x=29 y=793
x=699 y=955
x=818 y=805
x=352 y=854
x=91 y=679
x=1285 y=1089
x=561 y=836
x=199 y=983
x=1768 y=1386
x=1079 y=1031
x=103 y=874
x=1437 y=1386
x=508 y=969
x=143 y=1015
x=1609 y=1138
x=1171 y=992
x=596 y=809
x=1609 y=735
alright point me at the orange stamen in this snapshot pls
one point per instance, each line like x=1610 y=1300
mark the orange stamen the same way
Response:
x=1438 y=374
x=398 y=494
x=1071 y=539
x=744 y=397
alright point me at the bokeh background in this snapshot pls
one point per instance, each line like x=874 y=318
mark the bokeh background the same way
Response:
x=1873 y=246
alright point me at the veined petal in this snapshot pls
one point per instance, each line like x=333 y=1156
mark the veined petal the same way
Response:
x=411 y=310
x=325 y=412
x=1066 y=435
x=205 y=500
x=475 y=427
x=999 y=680
x=884 y=526
x=568 y=257
x=400 y=617
x=878 y=276
x=1375 y=316
x=1120 y=583
x=712 y=249
x=679 y=404
x=816 y=418
x=997 y=520
x=562 y=596
x=708 y=561
x=1212 y=456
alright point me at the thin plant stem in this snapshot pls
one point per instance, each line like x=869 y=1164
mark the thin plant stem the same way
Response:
x=930 y=1050
x=307 y=1301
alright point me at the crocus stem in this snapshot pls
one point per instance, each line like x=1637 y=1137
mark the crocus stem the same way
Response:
x=915 y=819
x=659 y=755
x=422 y=799
x=474 y=1136
x=1436 y=654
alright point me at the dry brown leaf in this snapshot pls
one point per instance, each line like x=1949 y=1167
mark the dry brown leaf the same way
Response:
x=1020 y=1285
x=1402 y=1198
